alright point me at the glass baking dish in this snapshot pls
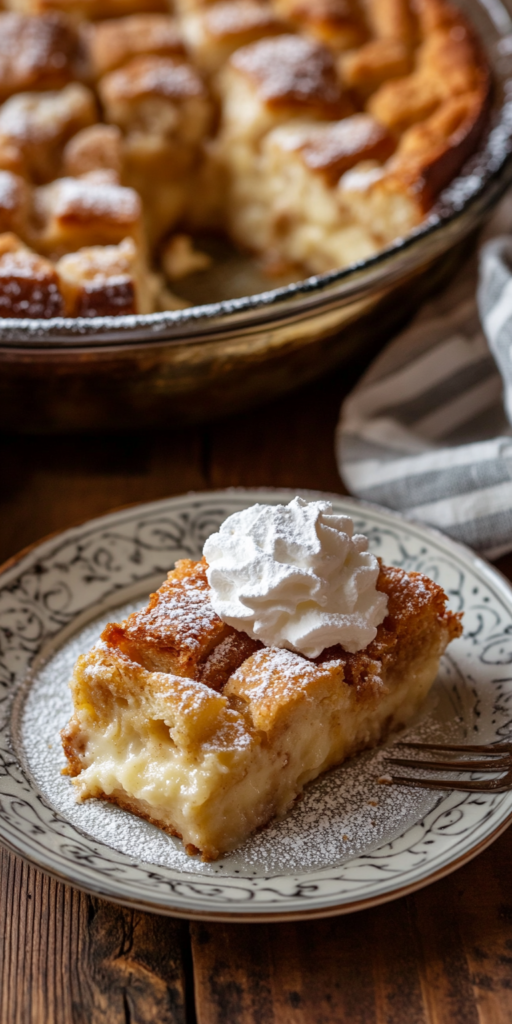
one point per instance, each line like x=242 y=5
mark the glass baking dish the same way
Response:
x=213 y=359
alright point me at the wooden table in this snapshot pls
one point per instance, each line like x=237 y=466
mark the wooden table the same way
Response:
x=441 y=956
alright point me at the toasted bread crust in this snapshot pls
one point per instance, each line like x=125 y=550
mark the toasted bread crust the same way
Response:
x=29 y=285
x=113 y=43
x=36 y=53
x=416 y=607
x=179 y=627
x=288 y=71
x=180 y=630
x=332 y=149
x=168 y=703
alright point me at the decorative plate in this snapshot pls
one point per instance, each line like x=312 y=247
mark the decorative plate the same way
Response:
x=350 y=843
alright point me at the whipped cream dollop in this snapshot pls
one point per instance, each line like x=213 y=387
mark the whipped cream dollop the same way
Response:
x=295 y=576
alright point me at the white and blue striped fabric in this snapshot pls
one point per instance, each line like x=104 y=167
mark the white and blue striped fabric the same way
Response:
x=427 y=431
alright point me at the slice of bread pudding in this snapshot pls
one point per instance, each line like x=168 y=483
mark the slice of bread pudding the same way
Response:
x=207 y=733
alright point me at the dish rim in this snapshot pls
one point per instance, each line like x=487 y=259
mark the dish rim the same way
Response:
x=477 y=187
x=279 y=917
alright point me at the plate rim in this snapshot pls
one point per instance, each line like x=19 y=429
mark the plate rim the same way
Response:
x=265 y=916
x=268 y=917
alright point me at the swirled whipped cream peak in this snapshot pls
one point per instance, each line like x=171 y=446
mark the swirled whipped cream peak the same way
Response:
x=295 y=576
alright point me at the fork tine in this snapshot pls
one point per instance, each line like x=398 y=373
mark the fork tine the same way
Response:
x=484 y=786
x=499 y=765
x=482 y=748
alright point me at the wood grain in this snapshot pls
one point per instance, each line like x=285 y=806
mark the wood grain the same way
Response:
x=289 y=443
x=47 y=484
x=63 y=956
x=67 y=957
x=442 y=956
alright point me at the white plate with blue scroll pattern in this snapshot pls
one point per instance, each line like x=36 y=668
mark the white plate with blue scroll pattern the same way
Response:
x=350 y=842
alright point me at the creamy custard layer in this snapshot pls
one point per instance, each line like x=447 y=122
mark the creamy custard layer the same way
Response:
x=190 y=723
x=214 y=783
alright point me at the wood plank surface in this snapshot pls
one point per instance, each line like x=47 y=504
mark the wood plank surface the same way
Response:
x=65 y=956
x=47 y=484
x=439 y=956
x=442 y=956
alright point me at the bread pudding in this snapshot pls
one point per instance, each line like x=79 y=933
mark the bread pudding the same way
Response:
x=209 y=732
x=310 y=133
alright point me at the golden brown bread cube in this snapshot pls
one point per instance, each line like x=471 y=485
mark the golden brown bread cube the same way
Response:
x=112 y=43
x=275 y=79
x=164 y=109
x=108 y=280
x=178 y=628
x=158 y=96
x=339 y=24
x=29 y=286
x=263 y=85
x=213 y=33
x=38 y=124
x=97 y=148
x=406 y=101
x=71 y=213
x=36 y=53
x=430 y=154
x=380 y=60
x=295 y=212
x=331 y=149
x=380 y=201
x=393 y=199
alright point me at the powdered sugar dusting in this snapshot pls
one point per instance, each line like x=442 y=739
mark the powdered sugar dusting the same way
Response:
x=217 y=658
x=291 y=671
x=290 y=67
x=182 y=616
x=342 y=815
x=30 y=48
x=155 y=75
x=46 y=117
x=224 y=19
x=335 y=145
x=84 y=199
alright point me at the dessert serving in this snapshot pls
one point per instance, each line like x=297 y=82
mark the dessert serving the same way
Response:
x=285 y=650
x=311 y=133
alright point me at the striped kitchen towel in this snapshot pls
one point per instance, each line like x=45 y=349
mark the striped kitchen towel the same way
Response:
x=427 y=431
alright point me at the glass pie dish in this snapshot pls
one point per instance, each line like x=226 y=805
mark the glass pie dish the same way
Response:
x=241 y=343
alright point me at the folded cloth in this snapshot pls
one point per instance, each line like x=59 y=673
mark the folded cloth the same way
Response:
x=427 y=431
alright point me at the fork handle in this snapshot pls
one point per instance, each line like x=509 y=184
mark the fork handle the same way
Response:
x=499 y=765
x=478 y=748
x=485 y=786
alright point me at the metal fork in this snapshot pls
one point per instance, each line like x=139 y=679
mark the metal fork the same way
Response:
x=497 y=759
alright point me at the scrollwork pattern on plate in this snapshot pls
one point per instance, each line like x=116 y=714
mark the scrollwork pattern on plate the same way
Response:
x=71 y=575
